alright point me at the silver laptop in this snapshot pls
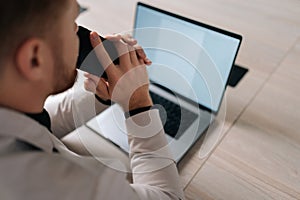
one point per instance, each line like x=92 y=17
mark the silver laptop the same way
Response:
x=192 y=62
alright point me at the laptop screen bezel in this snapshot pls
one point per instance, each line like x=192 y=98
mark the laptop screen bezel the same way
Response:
x=213 y=28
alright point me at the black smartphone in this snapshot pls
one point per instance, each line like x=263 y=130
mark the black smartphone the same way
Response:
x=87 y=59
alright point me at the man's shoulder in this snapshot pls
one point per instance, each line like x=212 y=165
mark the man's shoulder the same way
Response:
x=40 y=175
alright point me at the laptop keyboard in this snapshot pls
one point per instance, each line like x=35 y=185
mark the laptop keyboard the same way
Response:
x=175 y=119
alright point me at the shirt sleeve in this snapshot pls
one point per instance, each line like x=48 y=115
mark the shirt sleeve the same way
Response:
x=154 y=170
x=71 y=109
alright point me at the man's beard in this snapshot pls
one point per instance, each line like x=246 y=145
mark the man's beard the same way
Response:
x=64 y=77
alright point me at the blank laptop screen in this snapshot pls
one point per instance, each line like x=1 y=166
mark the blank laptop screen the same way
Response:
x=190 y=58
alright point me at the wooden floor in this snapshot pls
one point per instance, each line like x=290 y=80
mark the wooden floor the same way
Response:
x=257 y=153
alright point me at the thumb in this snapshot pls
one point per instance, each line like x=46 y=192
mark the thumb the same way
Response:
x=90 y=86
x=101 y=53
x=102 y=89
x=99 y=88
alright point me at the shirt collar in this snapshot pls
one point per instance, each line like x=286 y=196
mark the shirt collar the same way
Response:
x=43 y=118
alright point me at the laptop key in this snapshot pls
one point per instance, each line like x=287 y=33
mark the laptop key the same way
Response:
x=178 y=119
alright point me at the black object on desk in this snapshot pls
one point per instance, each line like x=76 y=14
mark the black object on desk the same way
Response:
x=236 y=75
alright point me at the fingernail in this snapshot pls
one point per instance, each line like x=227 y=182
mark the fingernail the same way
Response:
x=95 y=36
x=142 y=54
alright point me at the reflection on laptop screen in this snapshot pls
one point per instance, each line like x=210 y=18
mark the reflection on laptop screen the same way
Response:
x=190 y=58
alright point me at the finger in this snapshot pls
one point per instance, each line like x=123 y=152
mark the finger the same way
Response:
x=133 y=56
x=90 y=86
x=142 y=55
x=123 y=53
x=99 y=88
x=94 y=78
x=147 y=61
x=140 y=51
x=113 y=38
x=101 y=53
x=128 y=39
x=103 y=89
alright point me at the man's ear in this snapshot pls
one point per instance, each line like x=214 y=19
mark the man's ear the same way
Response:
x=30 y=59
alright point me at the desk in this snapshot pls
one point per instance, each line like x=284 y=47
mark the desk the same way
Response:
x=258 y=153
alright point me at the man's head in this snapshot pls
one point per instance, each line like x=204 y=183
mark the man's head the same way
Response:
x=39 y=46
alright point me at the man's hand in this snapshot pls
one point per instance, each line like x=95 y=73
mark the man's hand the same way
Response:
x=128 y=82
x=128 y=39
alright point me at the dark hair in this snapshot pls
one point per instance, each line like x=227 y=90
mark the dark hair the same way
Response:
x=22 y=19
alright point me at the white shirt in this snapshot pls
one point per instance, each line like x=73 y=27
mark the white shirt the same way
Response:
x=32 y=174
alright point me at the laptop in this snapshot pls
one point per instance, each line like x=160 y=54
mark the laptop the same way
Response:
x=192 y=62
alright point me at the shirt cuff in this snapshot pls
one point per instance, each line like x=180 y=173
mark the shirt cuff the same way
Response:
x=137 y=111
x=105 y=102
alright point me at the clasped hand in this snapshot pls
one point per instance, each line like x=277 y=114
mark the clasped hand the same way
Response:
x=127 y=83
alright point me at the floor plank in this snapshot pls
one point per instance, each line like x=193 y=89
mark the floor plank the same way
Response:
x=221 y=178
x=264 y=144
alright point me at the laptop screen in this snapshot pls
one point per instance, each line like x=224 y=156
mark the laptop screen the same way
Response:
x=190 y=58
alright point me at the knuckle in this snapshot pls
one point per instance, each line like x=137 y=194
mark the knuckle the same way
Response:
x=138 y=46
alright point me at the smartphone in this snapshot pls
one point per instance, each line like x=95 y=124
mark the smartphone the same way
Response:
x=87 y=59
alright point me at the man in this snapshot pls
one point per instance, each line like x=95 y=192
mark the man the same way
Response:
x=38 y=56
